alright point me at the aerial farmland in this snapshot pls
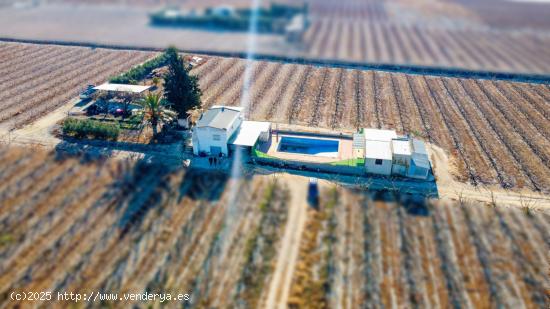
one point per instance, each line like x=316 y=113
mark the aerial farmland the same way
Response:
x=107 y=200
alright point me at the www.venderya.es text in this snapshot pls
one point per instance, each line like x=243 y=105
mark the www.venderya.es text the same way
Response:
x=99 y=297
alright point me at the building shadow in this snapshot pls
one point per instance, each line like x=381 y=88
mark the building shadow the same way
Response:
x=380 y=187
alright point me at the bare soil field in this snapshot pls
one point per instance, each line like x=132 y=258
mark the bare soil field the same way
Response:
x=485 y=35
x=36 y=79
x=497 y=132
x=79 y=224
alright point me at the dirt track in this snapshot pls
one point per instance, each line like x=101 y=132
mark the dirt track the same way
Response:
x=279 y=287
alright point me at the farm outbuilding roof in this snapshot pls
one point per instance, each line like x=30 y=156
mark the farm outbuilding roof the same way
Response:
x=378 y=150
x=219 y=117
x=122 y=88
x=401 y=147
x=379 y=135
x=249 y=132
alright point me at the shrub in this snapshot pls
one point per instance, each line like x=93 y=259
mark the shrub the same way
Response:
x=139 y=72
x=90 y=129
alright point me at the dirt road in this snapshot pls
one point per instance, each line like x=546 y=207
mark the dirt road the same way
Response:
x=279 y=288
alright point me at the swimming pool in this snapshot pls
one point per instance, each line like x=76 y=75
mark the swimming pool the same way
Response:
x=309 y=146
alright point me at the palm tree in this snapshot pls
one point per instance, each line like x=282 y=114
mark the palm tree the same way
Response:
x=155 y=110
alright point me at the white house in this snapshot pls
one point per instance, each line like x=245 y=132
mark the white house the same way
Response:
x=221 y=129
x=214 y=129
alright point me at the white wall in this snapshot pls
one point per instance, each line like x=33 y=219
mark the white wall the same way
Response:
x=203 y=137
x=203 y=140
x=384 y=169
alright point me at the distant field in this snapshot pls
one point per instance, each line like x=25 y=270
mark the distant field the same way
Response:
x=477 y=35
x=496 y=132
x=79 y=225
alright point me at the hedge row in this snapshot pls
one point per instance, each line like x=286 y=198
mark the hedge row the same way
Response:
x=235 y=23
x=87 y=128
x=139 y=72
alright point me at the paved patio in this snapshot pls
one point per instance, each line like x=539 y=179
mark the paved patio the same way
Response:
x=344 y=150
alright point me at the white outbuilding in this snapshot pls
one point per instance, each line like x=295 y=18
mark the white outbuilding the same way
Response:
x=420 y=161
x=378 y=151
x=401 y=156
x=378 y=157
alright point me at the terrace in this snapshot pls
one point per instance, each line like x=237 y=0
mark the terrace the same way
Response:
x=314 y=149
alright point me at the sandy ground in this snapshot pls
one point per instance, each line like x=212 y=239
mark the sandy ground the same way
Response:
x=39 y=133
x=279 y=287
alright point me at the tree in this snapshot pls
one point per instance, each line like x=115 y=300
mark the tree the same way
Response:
x=155 y=110
x=180 y=88
x=127 y=98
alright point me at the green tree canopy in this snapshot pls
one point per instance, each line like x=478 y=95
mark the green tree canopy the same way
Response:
x=180 y=88
x=155 y=111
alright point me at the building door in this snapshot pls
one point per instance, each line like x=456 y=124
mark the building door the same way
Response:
x=215 y=150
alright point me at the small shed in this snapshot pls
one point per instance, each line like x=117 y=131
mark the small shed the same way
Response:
x=378 y=157
x=401 y=156
x=420 y=161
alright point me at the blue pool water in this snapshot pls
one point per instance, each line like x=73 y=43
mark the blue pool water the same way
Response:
x=309 y=146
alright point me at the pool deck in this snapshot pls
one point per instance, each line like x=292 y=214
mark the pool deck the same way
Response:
x=344 y=150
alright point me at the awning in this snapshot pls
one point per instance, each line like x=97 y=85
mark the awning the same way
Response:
x=248 y=133
x=122 y=88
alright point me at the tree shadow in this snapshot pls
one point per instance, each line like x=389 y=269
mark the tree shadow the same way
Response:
x=202 y=184
x=414 y=204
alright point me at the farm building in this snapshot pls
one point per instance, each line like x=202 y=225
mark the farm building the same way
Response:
x=378 y=151
x=387 y=154
x=223 y=128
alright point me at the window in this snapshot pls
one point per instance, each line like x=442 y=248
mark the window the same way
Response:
x=378 y=161
x=216 y=137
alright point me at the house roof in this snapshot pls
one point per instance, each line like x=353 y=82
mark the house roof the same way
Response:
x=379 y=135
x=219 y=117
x=401 y=147
x=122 y=88
x=248 y=133
x=378 y=150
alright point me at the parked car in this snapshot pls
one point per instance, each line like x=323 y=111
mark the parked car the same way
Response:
x=86 y=94
x=313 y=194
